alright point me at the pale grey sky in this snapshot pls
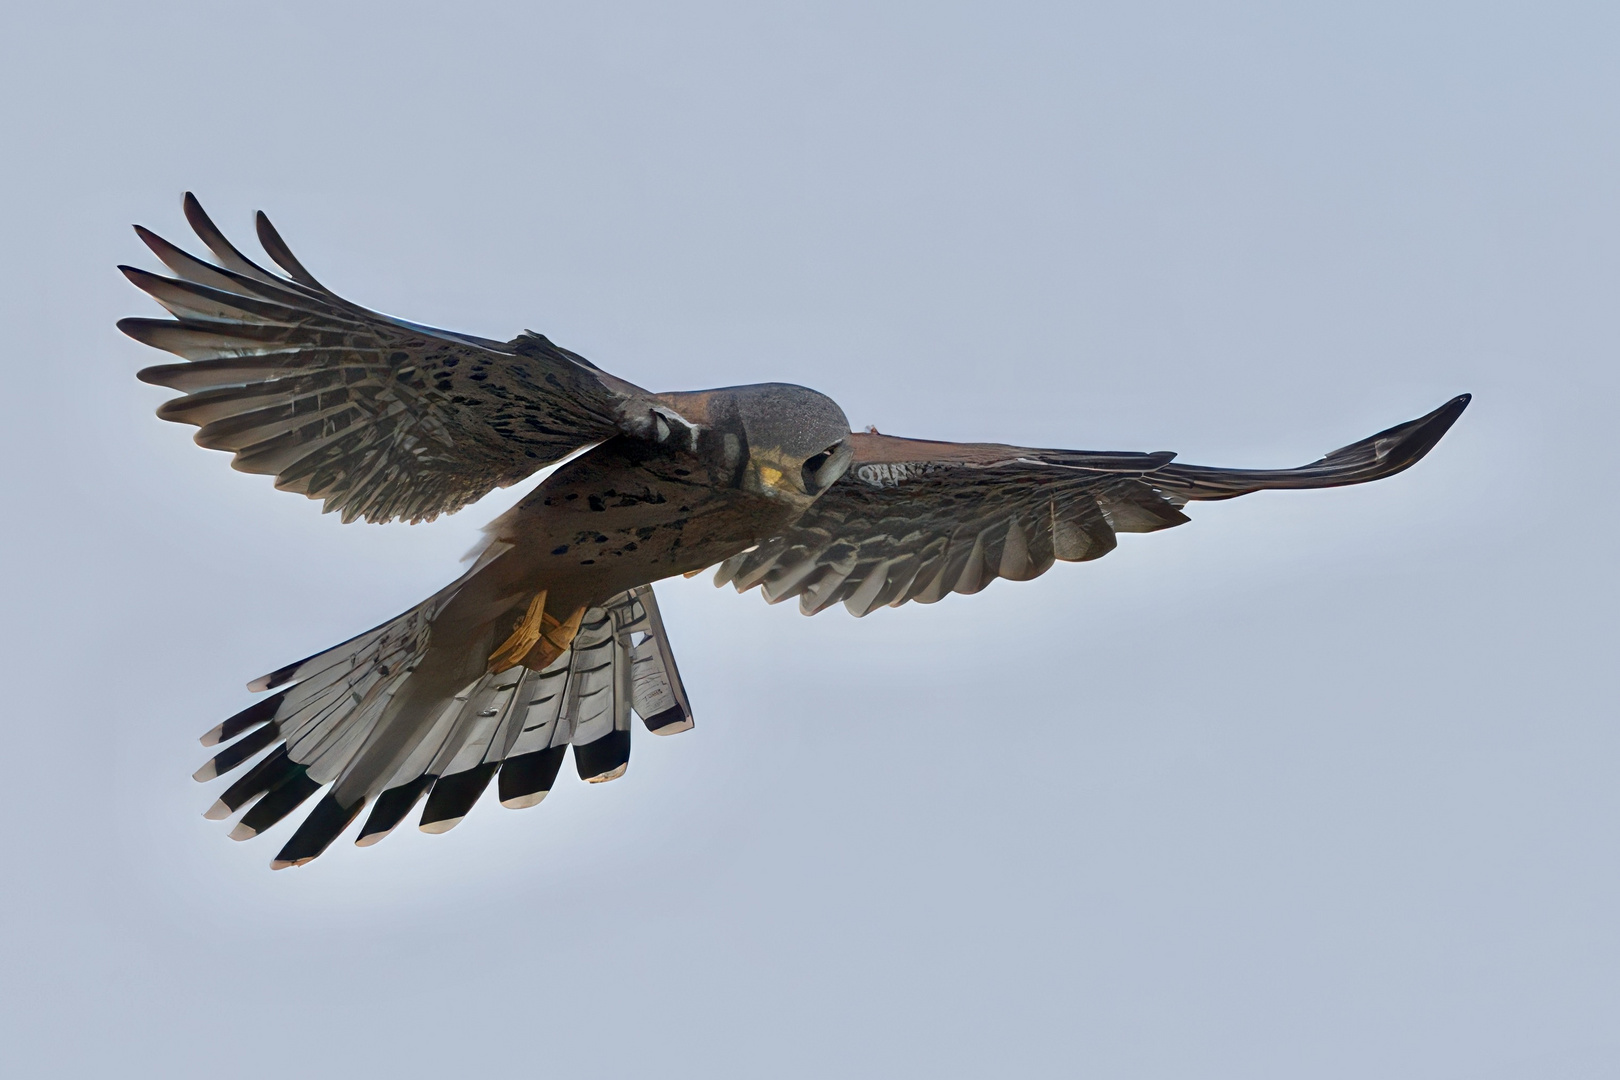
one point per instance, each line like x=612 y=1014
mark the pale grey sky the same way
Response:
x=1321 y=785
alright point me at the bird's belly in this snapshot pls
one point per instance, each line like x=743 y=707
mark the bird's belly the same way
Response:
x=600 y=527
x=636 y=543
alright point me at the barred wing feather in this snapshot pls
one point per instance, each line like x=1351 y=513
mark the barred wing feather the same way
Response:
x=917 y=520
x=377 y=417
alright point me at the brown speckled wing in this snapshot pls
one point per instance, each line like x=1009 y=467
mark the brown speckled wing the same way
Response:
x=916 y=520
x=378 y=417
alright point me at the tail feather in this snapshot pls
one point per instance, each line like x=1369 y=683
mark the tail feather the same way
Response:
x=316 y=832
x=391 y=807
x=271 y=771
x=250 y=717
x=483 y=715
x=238 y=752
x=277 y=803
x=517 y=724
x=453 y=796
x=656 y=692
x=540 y=712
x=527 y=778
x=599 y=700
x=422 y=756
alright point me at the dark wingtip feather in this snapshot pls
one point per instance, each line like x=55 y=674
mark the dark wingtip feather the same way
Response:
x=1404 y=445
x=281 y=254
x=159 y=246
x=317 y=831
x=143 y=330
x=1390 y=451
x=225 y=251
x=197 y=217
x=1439 y=422
x=160 y=374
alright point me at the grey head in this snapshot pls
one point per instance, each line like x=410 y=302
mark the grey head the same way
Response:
x=778 y=440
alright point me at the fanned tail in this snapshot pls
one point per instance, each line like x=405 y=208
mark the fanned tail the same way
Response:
x=516 y=723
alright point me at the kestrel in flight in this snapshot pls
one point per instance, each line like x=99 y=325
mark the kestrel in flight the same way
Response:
x=553 y=636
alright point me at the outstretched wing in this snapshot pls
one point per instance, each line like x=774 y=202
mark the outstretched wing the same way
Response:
x=915 y=520
x=379 y=417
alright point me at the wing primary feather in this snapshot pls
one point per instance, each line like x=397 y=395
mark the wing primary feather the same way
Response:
x=183 y=263
x=1388 y=452
x=196 y=301
x=224 y=373
x=281 y=254
x=223 y=249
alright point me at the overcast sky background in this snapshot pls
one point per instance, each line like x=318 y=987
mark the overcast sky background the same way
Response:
x=1321 y=785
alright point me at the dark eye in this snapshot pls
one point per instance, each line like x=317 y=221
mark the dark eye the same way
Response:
x=813 y=466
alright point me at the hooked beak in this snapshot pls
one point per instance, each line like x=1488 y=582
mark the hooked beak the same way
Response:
x=774 y=474
x=771 y=474
x=764 y=478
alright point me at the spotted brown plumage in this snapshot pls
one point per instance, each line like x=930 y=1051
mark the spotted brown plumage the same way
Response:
x=553 y=637
x=378 y=417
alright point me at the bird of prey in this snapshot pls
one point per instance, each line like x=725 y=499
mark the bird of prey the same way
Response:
x=553 y=636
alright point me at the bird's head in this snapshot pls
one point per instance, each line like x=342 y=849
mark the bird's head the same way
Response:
x=774 y=439
x=796 y=441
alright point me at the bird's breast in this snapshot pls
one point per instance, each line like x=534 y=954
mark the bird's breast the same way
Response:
x=629 y=517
